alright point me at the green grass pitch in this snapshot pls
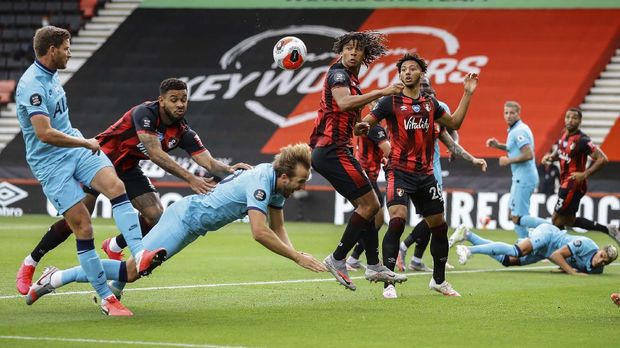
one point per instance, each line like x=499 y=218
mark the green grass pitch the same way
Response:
x=227 y=290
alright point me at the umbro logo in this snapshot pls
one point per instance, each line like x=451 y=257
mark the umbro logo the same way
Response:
x=10 y=194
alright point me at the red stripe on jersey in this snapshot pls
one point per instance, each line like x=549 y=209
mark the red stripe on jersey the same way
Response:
x=573 y=151
x=369 y=155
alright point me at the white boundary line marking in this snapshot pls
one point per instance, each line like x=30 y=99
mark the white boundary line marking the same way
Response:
x=88 y=340
x=292 y=281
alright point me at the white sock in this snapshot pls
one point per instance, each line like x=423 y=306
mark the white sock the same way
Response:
x=56 y=280
x=352 y=259
x=114 y=247
x=30 y=261
x=416 y=259
x=403 y=246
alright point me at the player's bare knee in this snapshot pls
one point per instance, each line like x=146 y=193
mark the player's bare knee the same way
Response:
x=515 y=219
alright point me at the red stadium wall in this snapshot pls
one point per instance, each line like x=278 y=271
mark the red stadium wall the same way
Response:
x=611 y=145
x=547 y=60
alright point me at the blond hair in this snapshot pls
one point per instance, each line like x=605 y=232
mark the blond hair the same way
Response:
x=290 y=156
x=612 y=253
x=49 y=36
x=514 y=105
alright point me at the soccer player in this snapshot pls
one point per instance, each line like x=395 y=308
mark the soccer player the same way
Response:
x=549 y=174
x=421 y=234
x=148 y=130
x=520 y=148
x=61 y=159
x=577 y=255
x=371 y=151
x=411 y=118
x=615 y=298
x=258 y=193
x=573 y=149
x=332 y=155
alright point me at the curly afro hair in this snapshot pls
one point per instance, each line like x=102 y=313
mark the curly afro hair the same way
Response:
x=372 y=42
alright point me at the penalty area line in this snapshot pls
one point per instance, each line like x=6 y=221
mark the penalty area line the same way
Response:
x=95 y=341
x=292 y=281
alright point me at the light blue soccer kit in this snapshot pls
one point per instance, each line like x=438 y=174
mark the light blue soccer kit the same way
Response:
x=545 y=239
x=61 y=170
x=437 y=155
x=195 y=215
x=524 y=178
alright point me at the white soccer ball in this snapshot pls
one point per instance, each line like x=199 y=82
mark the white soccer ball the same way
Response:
x=289 y=53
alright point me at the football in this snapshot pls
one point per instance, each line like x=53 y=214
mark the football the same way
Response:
x=289 y=53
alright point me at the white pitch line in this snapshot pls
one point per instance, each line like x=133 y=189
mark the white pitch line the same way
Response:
x=88 y=340
x=292 y=281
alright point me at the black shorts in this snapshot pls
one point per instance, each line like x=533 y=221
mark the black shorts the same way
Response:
x=375 y=187
x=342 y=170
x=423 y=190
x=568 y=202
x=136 y=183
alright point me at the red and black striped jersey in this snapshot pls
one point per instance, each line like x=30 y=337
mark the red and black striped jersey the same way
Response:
x=333 y=126
x=573 y=151
x=121 y=144
x=368 y=152
x=411 y=128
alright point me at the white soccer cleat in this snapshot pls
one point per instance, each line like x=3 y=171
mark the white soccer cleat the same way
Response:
x=390 y=292
x=464 y=254
x=339 y=270
x=380 y=273
x=614 y=233
x=42 y=286
x=444 y=288
x=449 y=266
x=459 y=235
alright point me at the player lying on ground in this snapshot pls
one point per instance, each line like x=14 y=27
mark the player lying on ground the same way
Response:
x=260 y=193
x=577 y=255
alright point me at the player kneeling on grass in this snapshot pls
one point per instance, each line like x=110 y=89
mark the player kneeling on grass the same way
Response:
x=259 y=192
x=577 y=255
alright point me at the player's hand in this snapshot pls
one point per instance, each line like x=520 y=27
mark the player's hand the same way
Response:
x=361 y=128
x=492 y=142
x=471 y=82
x=393 y=89
x=451 y=156
x=504 y=161
x=480 y=163
x=546 y=159
x=93 y=145
x=239 y=165
x=578 y=176
x=307 y=261
x=202 y=185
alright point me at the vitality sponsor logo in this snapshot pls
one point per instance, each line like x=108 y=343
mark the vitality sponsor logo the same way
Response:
x=259 y=87
x=10 y=194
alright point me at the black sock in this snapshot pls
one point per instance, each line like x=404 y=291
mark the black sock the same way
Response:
x=590 y=225
x=439 y=250
x=370 y=240
x=352 y=233
x=144 y=227
x=422 y=236
x=57 y=233
x=391 y=241
x=358 y=250
x=409 y=240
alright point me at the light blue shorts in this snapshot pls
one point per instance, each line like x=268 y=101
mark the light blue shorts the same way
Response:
x=437 y=165
x=171 y=232
x=541 y=237
x=520 y=195
x=61 y=183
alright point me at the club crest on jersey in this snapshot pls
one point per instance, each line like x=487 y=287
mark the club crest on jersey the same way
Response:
x=400 y=192
x=260 y=195
x=564 y=143
x=427 y=106
x=172 y=143
x=416 y=108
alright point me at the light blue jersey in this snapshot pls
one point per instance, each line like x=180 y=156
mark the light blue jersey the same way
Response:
x=519 y=135
x=437 y=155
x=39 y=92
x=231 y=199
x=547 y=238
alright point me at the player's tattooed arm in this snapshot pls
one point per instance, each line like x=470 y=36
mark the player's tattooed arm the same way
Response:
x=162 y=159
x=459 y=151
x=215 y=167
x=600 y=159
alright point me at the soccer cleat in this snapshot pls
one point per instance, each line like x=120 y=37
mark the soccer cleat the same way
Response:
x=419 y=267
x=459 y=235
x=339 y=272
x=615 y=298
x=380 y=273
x=353 y=264
x=390 y=292
x=24 y=278
x=112 y=255
x=463 y=253
x=116 y=291
x=113 y=307
x=401 y=260
x=148 y=260
x=614 y=233
x=449 y=266
x=42 y=286
x=444 y=288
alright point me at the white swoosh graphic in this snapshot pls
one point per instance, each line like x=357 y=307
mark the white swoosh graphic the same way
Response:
x=276 y=119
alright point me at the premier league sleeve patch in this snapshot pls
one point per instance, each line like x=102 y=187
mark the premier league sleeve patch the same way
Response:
x=36 y=100
x=260 y=195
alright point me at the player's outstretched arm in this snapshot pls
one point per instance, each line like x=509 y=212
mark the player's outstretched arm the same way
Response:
x=47 y=134
x=459 y=151
x=455 y=120
x=264 y=235
x=492 y=142
x=559 y=258
x=219 y=168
